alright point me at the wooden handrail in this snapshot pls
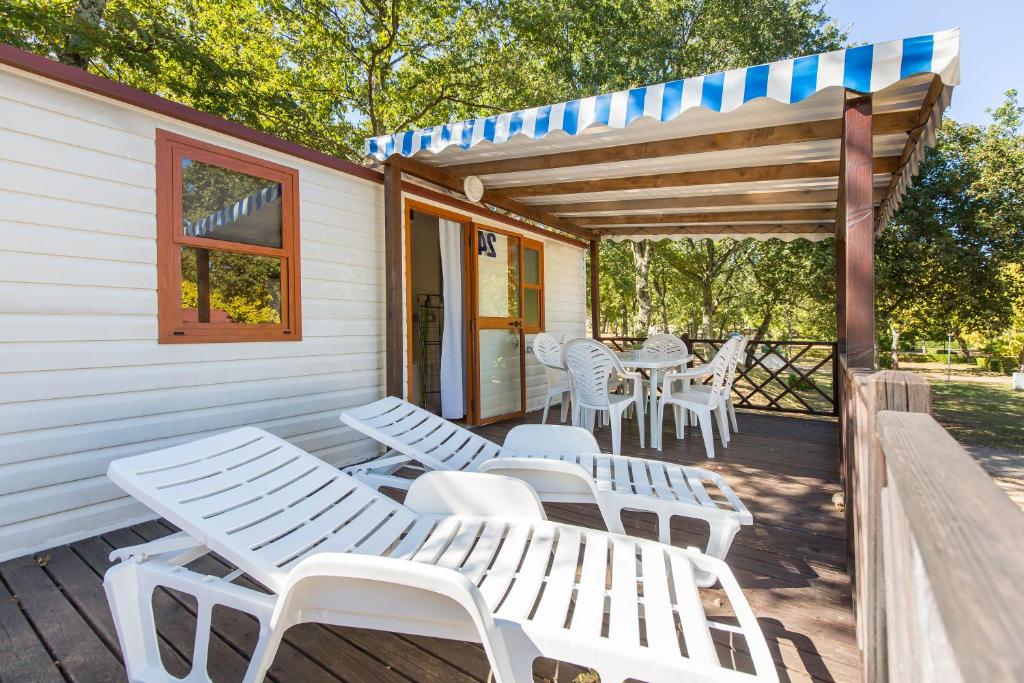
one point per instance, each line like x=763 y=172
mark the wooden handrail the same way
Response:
x=935 y=546
x=953 y=548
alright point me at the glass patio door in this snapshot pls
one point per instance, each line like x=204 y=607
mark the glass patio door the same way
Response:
x=500 y=361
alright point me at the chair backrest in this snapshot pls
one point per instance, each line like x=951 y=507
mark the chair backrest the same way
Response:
x=259 y=501
x=541 y=440
x=590 y=364
x=723 y=365
x=665 y=344
x=429 y=439
x=548 y=352
x=741 y=348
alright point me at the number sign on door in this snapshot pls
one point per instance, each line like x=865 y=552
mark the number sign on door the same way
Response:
x=485 y=244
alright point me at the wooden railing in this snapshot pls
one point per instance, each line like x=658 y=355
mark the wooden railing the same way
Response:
x=937 y=548
x=783 y=376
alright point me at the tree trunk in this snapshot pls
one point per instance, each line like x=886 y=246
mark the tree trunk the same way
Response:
x=1020 y=359
x=707 y=307
x=963 y=346
x=895 y=350
x=762 y=329
x=642 y=260
x=80 y=41
x=661 y=289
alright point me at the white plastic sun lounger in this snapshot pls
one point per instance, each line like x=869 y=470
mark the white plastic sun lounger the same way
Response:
x=552 y=460
x=332 y=550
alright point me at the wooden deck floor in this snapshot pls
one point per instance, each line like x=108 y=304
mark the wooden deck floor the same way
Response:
x=55 y=624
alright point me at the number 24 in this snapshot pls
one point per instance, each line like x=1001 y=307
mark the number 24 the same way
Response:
x=485 y=244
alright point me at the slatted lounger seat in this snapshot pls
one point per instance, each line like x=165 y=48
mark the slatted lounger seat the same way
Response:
x=332 y=550
x=613 y=482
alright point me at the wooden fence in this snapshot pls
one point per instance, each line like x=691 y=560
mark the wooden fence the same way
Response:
x=784 y=376
x=937 y=549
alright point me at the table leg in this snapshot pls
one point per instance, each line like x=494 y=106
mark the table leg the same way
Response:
x=652 y=414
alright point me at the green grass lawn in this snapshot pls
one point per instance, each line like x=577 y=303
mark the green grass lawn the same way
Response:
x=983 y=414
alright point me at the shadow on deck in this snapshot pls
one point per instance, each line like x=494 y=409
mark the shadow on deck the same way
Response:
x=55 y=624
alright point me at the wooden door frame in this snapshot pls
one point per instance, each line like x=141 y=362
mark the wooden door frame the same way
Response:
x=466 y=222
x=473 y=301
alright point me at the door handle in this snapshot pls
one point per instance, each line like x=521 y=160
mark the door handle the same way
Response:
x=515 y=323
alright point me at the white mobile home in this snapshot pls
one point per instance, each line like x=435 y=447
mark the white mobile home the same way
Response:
x=166 y=274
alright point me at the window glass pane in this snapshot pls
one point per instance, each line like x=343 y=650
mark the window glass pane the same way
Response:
x=500 y=373
x=498 y=274
x=222 y=287
x=227 y=205
x=531 y=266
x=531 y=308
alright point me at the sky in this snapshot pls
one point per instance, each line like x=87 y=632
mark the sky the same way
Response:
x=991 y=41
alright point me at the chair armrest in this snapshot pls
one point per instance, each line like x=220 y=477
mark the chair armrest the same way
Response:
x=694 y=373
x=474 y=494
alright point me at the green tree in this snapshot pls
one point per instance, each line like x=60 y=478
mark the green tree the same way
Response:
x=941 y=263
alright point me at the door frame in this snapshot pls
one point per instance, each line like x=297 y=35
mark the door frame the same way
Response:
x=466 y=222
x=471 y=354
x=473 y=253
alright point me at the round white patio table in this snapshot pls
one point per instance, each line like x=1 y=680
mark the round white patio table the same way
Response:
x=657 y=364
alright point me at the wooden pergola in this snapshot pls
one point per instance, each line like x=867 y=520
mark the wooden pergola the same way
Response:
x=814 y=147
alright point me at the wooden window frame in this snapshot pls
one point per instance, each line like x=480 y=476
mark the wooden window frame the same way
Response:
x=537 y=246
x=170 y=148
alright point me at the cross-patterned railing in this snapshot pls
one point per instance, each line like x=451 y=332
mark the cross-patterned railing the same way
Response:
x=785 y=376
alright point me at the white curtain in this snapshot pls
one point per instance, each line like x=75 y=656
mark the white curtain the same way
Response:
x=453 y=379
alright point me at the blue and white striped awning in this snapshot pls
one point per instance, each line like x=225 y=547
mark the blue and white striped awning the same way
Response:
x=649 y=162
x=865 y=69
x=230 y=215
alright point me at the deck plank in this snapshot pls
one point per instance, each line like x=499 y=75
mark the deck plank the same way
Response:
x=81 y=654
x=23 y=656
x=791 y=565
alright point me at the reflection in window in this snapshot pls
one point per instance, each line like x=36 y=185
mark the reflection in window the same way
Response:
x=533 y=286
x=498 y=276
x=531 y=309
x=224 y=287
x=222 y=204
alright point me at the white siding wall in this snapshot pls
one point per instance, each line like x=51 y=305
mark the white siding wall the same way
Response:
x=82 y=379
x=565 y=305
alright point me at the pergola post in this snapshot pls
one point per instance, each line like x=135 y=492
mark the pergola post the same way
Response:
x=595 y=288
x=855 y=281
x=855 y=238
x=393 y=357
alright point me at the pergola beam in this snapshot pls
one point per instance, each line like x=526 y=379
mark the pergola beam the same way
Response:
x=700 y=202
x=721 y=176
x=809 y=131
x=712 y=217
x=697 y=231
x=498 y=198
x=914 y=133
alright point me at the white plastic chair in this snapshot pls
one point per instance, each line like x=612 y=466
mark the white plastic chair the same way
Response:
x=592 y=365
x=468 y=557
x=730 y=377
x=703 y=401
x=665 y=344
x=548 y=352
x=563 y=464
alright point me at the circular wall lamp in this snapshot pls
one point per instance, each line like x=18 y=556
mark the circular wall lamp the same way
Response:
x=473 y=188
